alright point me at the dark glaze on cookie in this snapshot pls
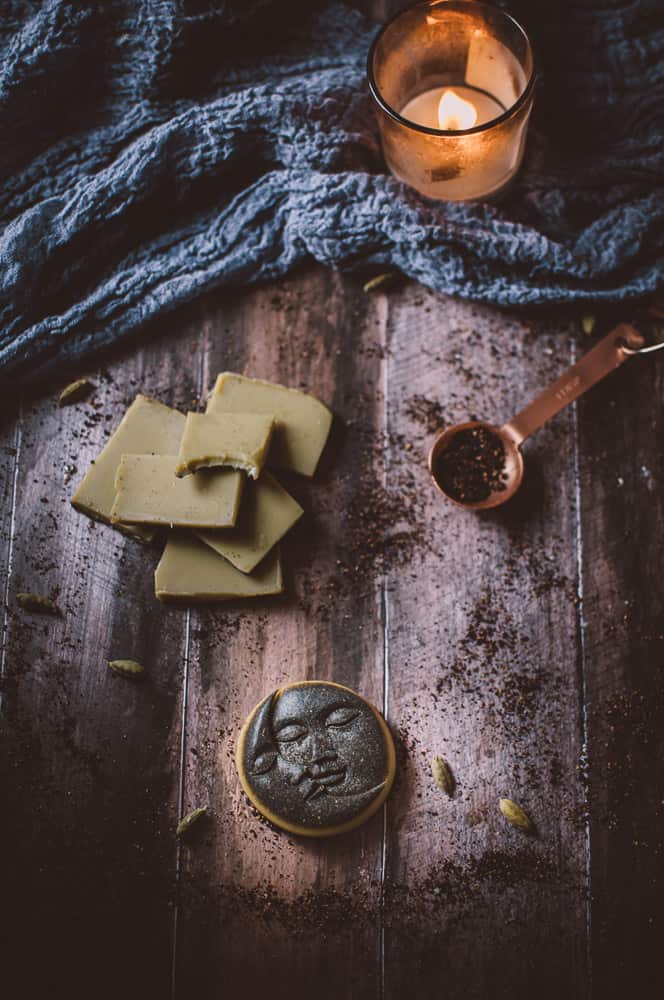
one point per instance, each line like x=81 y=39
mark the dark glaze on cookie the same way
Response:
x=316 y=755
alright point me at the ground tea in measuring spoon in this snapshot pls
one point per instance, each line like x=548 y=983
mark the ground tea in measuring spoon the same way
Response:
x=472 y=467
x=479 y=466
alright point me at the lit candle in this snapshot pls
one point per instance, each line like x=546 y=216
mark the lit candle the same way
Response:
x=454 y=112
x=453 y=80
x=452 y=109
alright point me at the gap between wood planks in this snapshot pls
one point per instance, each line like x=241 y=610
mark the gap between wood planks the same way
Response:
x=583 y=692
x=10 y=547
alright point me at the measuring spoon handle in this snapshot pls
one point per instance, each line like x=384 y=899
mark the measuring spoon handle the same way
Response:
x=611 y=352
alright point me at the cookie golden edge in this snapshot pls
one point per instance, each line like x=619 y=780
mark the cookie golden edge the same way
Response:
x=322 y=831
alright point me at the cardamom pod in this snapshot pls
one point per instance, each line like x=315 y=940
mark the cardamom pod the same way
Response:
x=75 y=391
x=588 y=324
x=189 y=820
x=443 y=775
x=515 y=815
x=38 y=603
x=127 y=668
x=380 y=281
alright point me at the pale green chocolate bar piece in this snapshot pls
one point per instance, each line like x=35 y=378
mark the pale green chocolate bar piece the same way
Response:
x=267 y=512
x=148 y=427
x=240 y=440
x=190 y=571
x=149 y=492
x=302 y=423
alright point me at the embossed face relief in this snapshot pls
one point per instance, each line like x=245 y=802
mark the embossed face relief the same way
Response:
x=316 y=754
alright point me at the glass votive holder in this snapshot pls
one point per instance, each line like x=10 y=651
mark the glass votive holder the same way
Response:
x=453 y=81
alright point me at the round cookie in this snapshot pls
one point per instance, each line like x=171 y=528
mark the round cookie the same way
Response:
x=315 y=758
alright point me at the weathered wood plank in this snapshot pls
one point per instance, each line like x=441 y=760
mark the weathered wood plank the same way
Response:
x=486 y=661
x=621 y=428
x=262 y=913
x=484 y=666
x=91 y=760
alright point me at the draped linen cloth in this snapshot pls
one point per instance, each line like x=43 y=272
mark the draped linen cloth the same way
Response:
x=155 y=149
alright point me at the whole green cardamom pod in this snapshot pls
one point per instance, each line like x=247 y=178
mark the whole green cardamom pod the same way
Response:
x=515 y=815
x=75 y=391
x=189 y=820
x=443 y=775
x=127 y=668
x=38 y=604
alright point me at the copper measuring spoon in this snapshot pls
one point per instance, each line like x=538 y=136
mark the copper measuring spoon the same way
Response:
x=612 y=351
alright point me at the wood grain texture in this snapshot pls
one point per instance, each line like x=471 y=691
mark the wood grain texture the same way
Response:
x=523 y=646
x=261 y=912
x=90 y=760
x=484 y=670
x=621 y=459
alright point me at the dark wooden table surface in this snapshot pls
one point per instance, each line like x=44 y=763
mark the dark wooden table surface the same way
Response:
x=525 y=646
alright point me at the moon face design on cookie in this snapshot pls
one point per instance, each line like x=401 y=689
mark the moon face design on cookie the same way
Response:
x=316 y=758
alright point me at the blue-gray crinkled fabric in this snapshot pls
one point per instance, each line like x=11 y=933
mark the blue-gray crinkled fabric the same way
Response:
x=155 y=149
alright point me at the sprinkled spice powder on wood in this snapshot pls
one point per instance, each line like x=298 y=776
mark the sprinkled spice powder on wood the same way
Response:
x=472 y=467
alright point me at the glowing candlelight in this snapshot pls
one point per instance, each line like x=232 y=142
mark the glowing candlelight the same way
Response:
x=453 y=82
x=454 y=113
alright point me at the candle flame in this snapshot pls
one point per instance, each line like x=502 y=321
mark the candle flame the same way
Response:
x=455 y=114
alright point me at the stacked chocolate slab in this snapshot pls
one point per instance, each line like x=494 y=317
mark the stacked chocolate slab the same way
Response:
x=203 y=478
